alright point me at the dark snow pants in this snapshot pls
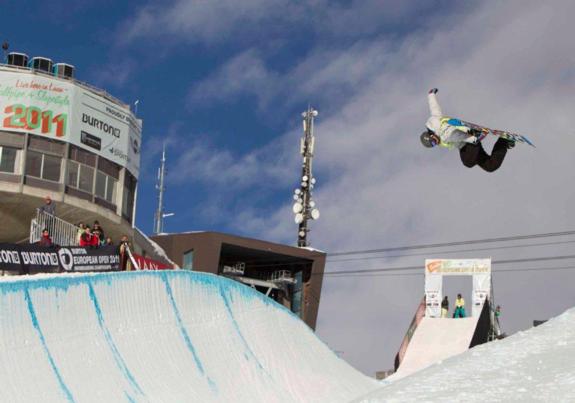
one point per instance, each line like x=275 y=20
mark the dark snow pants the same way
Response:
x=474 y=154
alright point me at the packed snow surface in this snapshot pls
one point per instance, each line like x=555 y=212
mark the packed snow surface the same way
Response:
x=436 y=339
x=537 y=365
x=178 y=336
x=170 y=336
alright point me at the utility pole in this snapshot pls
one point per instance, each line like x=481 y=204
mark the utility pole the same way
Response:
x=160 y=215
x=304 y=206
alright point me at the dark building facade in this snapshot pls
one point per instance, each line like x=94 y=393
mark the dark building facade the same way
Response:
x=291 y=276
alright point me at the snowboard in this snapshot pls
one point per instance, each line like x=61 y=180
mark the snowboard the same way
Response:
x=481 y=132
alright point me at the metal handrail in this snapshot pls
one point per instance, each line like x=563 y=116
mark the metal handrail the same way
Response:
x=280 y=276
x=61 y=232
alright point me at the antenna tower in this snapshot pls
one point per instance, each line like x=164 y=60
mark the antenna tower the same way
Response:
x=304 y=207
x=160 y=215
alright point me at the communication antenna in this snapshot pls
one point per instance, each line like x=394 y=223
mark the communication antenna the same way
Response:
x=304 y=206
x=160 y=215
x=5 y=47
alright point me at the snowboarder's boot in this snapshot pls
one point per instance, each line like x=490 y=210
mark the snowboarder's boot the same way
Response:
x=510 y=143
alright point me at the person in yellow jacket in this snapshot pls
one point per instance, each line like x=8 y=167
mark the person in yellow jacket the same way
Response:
x=459 y=307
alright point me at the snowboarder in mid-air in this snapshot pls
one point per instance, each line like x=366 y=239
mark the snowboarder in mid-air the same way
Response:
x=447 y=132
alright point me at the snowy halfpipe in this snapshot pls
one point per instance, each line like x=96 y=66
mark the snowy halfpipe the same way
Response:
x=160 y=336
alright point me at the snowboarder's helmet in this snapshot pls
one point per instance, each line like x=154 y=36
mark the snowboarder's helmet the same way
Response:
x=427 y=140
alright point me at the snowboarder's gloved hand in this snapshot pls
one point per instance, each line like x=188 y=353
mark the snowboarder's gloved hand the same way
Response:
x=472 y=138
x=433 y=91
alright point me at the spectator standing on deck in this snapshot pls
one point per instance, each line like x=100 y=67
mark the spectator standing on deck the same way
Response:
x=45 y=241
x=80 y=231
x=124 y=250
x=459 y=307
x=444 y=307
x=49 y=206
x=86 y=237
x=97 y=228
x=95 y=241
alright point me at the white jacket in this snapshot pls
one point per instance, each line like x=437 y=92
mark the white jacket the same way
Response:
x=450 y=135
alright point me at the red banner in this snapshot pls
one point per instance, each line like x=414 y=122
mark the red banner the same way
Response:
x=145 y=263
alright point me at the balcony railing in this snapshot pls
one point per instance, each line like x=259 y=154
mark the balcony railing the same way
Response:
x=61 y=232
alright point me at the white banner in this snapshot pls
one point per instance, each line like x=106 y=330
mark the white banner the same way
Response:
x=435 y=269
x=61 y=110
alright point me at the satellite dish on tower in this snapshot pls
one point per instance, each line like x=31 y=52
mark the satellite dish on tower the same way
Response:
x=297 y=208
x=298 y=218
x=315 y=214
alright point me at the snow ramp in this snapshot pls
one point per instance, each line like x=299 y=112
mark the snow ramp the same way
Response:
x=436 y=339
x=534 y=365
x=171 y=336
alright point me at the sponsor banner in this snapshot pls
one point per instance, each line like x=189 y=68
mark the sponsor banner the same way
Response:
x=104 y=128
x=75 y=259
x=435 y=269
x=10 y=259
x=38 y=259
x=463 y=267
x=145 y=263
x=64 y=111
x=32 y=258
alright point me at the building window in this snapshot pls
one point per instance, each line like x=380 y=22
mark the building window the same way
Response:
x=105 y=186
x=8 y=159
x=129 y=196
x=51 y=168
x=43 y=166
x=80 y=176
x=189 y=260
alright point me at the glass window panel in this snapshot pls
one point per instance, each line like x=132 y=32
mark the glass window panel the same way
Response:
x=8 y=159
x=125 y=201
x=128 y=202
x=51 y=169
x=73 y=168
x=100 y=185
x=33 y=163
x=82 y=156
x=86 y=178
x=189 y=260
x=111 y=190
x=109 y=168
